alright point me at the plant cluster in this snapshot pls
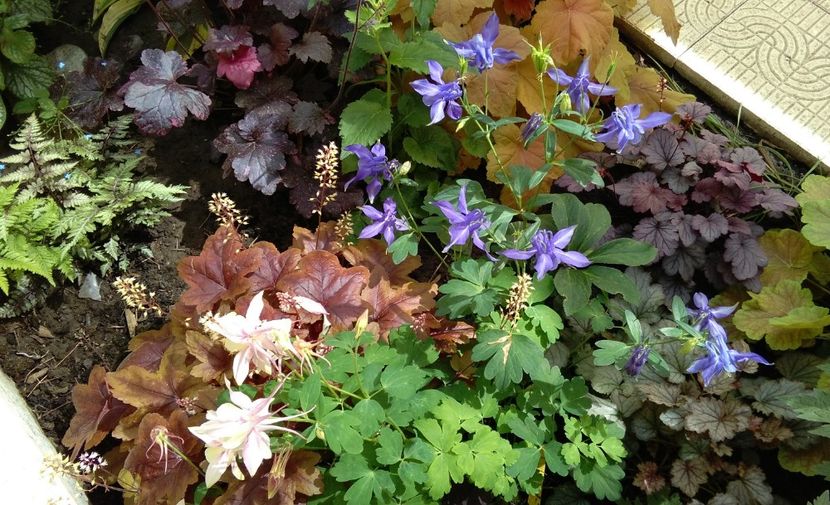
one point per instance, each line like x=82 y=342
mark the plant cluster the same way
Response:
x=67 y=203
x=23 y=73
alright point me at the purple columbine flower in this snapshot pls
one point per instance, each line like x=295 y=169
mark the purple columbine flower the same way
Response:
x=441 y=97
x=624 y=126
x=464 y=223
x=706 y=316
x=580 y=85
x=721 y=359
x=479 y=50
x=548 y=247
x=371 y=165
x=383 y=223
x=638 y=359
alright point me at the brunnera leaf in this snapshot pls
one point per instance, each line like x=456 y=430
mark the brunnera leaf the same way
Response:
x=165 y=475
x=219 y=272
x=313 y=46
x=320 y=277
x=159 y=100
x=97 y=412
x=256 y=149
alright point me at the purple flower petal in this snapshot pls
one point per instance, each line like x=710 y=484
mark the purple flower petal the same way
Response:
x=517 y=254
x=573 y=258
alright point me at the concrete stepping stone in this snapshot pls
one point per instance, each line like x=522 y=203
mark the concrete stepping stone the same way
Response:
x=25 y=448
x=768 y=58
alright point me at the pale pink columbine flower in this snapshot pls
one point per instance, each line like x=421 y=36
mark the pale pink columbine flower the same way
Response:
x=239 y=428
x=263 y=343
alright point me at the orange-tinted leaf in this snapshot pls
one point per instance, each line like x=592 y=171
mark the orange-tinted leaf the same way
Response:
x=528 y=87
x=448 y=335
x=213 y=358
x=392 y=307
x=510 y=151
x=324 y=239
x=147 y=348
x=219 y=272
x=521 y=10
x=320 y=277
x=97 y=412
x=299 y=476
x=272 y=267
x=495 y=89
x=371 y=253
x=664 y=9
x=573 y=27
x=161 y=391
x=457 y=11
x=165 y=475
x=647 y=88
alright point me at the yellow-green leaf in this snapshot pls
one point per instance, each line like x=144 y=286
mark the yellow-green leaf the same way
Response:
x=789 y=255
x=815 y=209
x=783 y=314
x=573 y=28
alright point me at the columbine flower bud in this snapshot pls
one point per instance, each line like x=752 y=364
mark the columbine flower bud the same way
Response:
x=530 y=127
x=404 y=168
x=638 y=359
x=564 y=100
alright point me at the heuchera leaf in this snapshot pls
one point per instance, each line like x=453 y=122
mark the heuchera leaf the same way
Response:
x=212 y=356
x=313 y=46
x=790 y=256
x=97 y=412
x=722 y=419
x=219 y=272
x=659 y=231
x=299 y=476
x=643 y=193
x=572 y=27
x=694 y=112
x=256 y=149
x=815 y=205
x=309 y=118
x=239 y=66
x=92 y=92
x=228 y=39
x=165 y=475
x=662 y=150
x=689 y=474
x=272 y=267
x=371 y=253
x=751 y=487
x=710 y=227
x=160 y=101
x=394 y=306
x=276 y=53
x=521 y=10
x=745 y=255
x=320 y=277
x=784 y=314
x=289 y=8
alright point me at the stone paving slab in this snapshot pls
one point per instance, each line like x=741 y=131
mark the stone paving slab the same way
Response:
x=768 y=58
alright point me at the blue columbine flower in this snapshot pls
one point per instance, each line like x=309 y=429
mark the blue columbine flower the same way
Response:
x=706 y=316
x=441 y=97
x=720 y=359
x=548 y=247
x=383 y=223
x=638 y=359
x=464 y=223
x=580 y=85
x=529 y=128
x=371 y=165
x=479 y=50
x=624 y=126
